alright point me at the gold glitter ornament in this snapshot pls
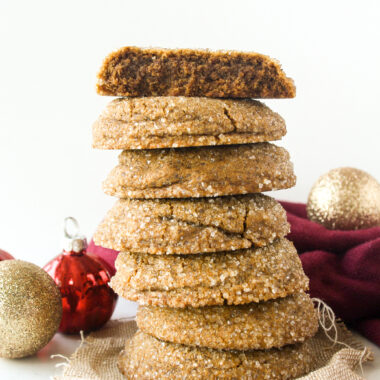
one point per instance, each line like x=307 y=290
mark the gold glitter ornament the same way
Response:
x=345 y=199
x=30 y=308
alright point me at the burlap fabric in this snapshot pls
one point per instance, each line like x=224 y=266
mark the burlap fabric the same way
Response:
x=96 y=358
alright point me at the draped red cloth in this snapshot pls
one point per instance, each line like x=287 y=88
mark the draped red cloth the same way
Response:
x=108 y=255
x=343 y=267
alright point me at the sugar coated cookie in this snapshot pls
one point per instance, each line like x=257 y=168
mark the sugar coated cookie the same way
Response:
x=184 y=226
x=146 y=357
x=170 y=122
x=200 y=172
x=253 y=326
x=244 y=276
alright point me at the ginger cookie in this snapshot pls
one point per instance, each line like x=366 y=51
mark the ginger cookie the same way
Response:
x=133 y=71
x=232 y=278
x=200 y=172
x=166 y=122
x=253 y=326
x=184 y=226
x=146 y=357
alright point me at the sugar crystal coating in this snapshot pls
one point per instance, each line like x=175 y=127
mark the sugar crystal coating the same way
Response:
x=168 y=122
x=200 y=171
x=146 y=357
x=258 y=326
x=168 y=226
x=244 y=276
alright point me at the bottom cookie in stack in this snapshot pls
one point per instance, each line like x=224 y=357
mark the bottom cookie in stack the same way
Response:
x=146 y=357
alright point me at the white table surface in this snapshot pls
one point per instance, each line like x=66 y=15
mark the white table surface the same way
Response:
x=43 y=367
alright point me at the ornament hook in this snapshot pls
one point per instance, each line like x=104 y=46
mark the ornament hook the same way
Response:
x=73 y=241
x=74 y=227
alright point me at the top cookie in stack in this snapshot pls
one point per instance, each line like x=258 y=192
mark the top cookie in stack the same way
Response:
x=201 y=249
x=133 y=71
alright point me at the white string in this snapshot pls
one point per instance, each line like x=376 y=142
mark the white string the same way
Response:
x=60 y=356
x=82 y=339
x=59 y=365
x=82 y=342
x=67 y=364
x=125 y=319
x=62 y=364
x=327 y=321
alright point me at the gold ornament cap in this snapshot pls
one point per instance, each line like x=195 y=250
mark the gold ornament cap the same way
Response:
x=345 y=199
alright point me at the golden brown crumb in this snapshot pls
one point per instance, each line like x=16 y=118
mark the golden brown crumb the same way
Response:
x=133 y=71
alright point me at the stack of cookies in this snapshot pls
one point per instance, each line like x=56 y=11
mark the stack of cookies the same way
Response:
x=221 y=291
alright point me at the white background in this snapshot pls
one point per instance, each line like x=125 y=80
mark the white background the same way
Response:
x=50 y=52
x=49 y=55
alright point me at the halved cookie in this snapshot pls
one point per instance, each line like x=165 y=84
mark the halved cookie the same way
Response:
x=253 y=326
x=133 y=71
x=183 y=226
x=200 y=172
x=165 y=122
x=146 y=357
x=244 y=276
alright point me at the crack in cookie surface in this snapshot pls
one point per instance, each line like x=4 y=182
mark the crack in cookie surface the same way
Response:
x=163 y=122
x=185 y=226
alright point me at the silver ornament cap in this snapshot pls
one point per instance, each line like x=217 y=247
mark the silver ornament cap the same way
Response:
x=73 y=241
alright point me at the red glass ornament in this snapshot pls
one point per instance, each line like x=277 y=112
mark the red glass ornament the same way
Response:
x=87 y=299
x=5 y=255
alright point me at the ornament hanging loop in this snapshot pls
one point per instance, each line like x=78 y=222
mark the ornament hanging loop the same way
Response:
x=73 y=241
x=74 y=227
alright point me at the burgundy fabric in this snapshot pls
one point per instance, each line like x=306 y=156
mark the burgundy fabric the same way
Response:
x=108 y=255
x=343 y=267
